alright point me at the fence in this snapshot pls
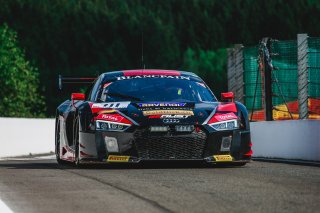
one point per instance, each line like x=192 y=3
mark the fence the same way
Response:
x=293 y=67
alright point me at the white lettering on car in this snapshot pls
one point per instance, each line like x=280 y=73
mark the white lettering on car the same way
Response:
x=175 y=116
x=152 y=76
x=111 y=105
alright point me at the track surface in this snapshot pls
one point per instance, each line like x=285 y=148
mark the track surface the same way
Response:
x=43 y=186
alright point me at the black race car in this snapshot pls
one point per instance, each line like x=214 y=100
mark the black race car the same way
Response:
x=141 y=115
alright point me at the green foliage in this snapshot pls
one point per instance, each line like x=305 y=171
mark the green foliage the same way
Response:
x=209 y=65
x=87 y=37
x=18 y=80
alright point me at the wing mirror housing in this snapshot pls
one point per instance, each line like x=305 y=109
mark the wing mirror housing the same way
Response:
x=227 y=96
x=77 y=97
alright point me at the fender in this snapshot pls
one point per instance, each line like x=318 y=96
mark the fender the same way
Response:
x=243 y=110
x=63 y=108
x=86 y=117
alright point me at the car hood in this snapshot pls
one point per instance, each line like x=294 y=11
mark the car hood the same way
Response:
x=156 y=113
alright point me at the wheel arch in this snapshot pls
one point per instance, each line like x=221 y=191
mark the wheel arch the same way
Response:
x=243 y=113
x=85 y=116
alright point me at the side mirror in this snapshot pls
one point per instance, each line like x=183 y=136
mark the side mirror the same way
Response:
x=77 y=97
x=227 y=96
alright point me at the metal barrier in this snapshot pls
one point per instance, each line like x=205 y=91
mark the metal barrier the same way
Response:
x=286 y=139
x=277 y=80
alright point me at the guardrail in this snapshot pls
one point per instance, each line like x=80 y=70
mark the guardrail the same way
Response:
x=291 y=139
x=277 y=79
x=22 y=136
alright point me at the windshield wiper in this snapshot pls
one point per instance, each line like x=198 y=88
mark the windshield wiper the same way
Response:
x=123 y=96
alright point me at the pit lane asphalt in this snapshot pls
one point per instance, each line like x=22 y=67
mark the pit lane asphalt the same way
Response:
x=37 y=185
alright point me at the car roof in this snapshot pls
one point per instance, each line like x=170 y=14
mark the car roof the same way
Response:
x=149 y=72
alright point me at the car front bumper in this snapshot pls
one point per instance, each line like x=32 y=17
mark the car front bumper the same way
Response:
x=140 y=145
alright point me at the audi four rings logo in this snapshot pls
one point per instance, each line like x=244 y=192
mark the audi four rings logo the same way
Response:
x=170 y=121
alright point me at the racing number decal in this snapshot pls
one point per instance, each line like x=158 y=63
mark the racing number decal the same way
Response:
x=111 y=105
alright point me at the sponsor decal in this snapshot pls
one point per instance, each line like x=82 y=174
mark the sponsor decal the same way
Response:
x=222 y=158
x=224 y=117
x=118 y=158
x=110 y=117
x=154 y=116
x=160 y=104
x=169 y=116
x=170 y=121
x=108 y=111
x=113 y=118
x=153 y=76
x=175 y=116
x=167 y=112
x=111 y=105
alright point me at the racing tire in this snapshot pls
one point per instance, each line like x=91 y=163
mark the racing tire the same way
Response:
x=57 y=144
x=76 y=143
x=239 y=164
x=222 y=165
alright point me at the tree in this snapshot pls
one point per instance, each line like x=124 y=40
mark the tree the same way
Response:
x=85 y=38
x=19 y=95
x=209 y=65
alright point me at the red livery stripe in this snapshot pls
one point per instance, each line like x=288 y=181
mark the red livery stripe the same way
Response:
x=151 y=72
x=228 y=107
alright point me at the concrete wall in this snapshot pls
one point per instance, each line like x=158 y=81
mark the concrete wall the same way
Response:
x=297 y=140
x=294 y=140
x=21 y=136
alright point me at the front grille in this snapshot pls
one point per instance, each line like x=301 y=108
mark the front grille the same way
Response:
x=170 y=145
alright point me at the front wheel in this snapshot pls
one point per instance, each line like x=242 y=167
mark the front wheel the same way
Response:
x=76 y=143
x=239 y=164
x=57 y=143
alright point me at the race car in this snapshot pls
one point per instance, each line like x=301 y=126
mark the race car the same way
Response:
x=143 y=115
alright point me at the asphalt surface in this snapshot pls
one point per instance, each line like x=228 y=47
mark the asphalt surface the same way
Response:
x=43 y=186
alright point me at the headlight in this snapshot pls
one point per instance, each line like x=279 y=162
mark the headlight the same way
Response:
x=111 y=126
x=225 y=125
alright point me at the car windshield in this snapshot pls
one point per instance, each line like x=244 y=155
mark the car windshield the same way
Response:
x=155 y=89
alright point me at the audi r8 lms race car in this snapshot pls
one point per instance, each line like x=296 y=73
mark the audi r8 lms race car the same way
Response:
x=142 y=115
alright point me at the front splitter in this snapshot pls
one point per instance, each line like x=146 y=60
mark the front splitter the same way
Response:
x=135 y=160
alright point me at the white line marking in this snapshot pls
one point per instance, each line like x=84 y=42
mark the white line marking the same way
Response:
x=4 y=208
x=48 y=157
